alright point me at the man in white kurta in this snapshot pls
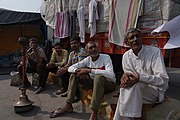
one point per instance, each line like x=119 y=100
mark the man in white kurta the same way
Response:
x=145 y=79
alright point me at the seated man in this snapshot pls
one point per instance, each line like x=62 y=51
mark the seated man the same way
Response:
x=58 y=60
x=77 y=54
x=101 y=80
x=36 y=60
x=145 y=79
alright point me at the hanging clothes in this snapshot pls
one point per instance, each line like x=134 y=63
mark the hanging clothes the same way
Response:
x=65 y=5
x=106 y=4
x=73 y=4
x=93 y=16
x=62 y=24
x=48 y=11
x=123 y=15
x=73 y=21
x=81 y=19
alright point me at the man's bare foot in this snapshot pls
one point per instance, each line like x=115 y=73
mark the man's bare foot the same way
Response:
x=93 y=115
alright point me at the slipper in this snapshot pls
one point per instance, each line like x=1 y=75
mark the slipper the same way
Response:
x=58 y=113
x=60 y=91
x=55 y=110
x=64 y=94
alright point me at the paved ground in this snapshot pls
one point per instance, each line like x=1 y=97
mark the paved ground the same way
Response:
x=47 y=101
x=174 y=83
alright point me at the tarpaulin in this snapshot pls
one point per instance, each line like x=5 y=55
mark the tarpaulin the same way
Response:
x=12 y=17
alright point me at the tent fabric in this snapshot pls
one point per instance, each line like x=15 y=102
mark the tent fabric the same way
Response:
x=173 y=27
x=12 y=17
x=19 y=24
x=21 y=5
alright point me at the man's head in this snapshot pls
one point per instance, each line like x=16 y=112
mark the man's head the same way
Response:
x=75 y=43
x=23 y=41
x=92 y=49
x=58 y=47
x=33 y=43
x=134 y=39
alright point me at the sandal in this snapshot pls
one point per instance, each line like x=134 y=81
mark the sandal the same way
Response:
x=59 y=112
x=60 y=91
x=64 y=94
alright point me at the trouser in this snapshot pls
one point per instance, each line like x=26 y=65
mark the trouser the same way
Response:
x=99 y=86
x=131 y=100
x=39 y=68
x=64 y=77
x=43 y=74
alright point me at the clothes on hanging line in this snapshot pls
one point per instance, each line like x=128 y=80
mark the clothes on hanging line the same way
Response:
x=62 y=24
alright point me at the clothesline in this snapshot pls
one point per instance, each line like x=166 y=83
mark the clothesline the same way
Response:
x=72 y=8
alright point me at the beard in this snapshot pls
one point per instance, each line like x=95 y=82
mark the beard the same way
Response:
x=94 y=54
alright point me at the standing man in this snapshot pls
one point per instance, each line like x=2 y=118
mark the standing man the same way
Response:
x=145 y=79
x=77 y=54
x=102 y=80
x=58 y=60
x=36 y=59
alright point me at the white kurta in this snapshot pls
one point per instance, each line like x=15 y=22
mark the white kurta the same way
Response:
x=152 y=84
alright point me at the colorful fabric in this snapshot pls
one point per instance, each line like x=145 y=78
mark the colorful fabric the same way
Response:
x=107 y=105
x=62 y=24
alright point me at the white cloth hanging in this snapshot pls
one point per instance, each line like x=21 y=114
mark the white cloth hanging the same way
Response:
x=81 y=19
x=48 y=11
x=93 y=16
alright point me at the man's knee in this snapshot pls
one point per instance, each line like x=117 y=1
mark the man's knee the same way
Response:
x=41 y=65
x=19 y=67
x=140 y=85
x=72 y=77
x=99 y=79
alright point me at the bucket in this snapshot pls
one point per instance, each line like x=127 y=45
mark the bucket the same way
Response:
x=15 y=79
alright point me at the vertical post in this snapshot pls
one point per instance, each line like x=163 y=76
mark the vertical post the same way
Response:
x=24 y=42
x=170 y=58
x=23 y=63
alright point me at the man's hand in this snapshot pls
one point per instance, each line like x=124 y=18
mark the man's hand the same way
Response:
x=61 y=71
x=128 y=80
x=30 y=50
x=50 y=65
x=80 y=71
